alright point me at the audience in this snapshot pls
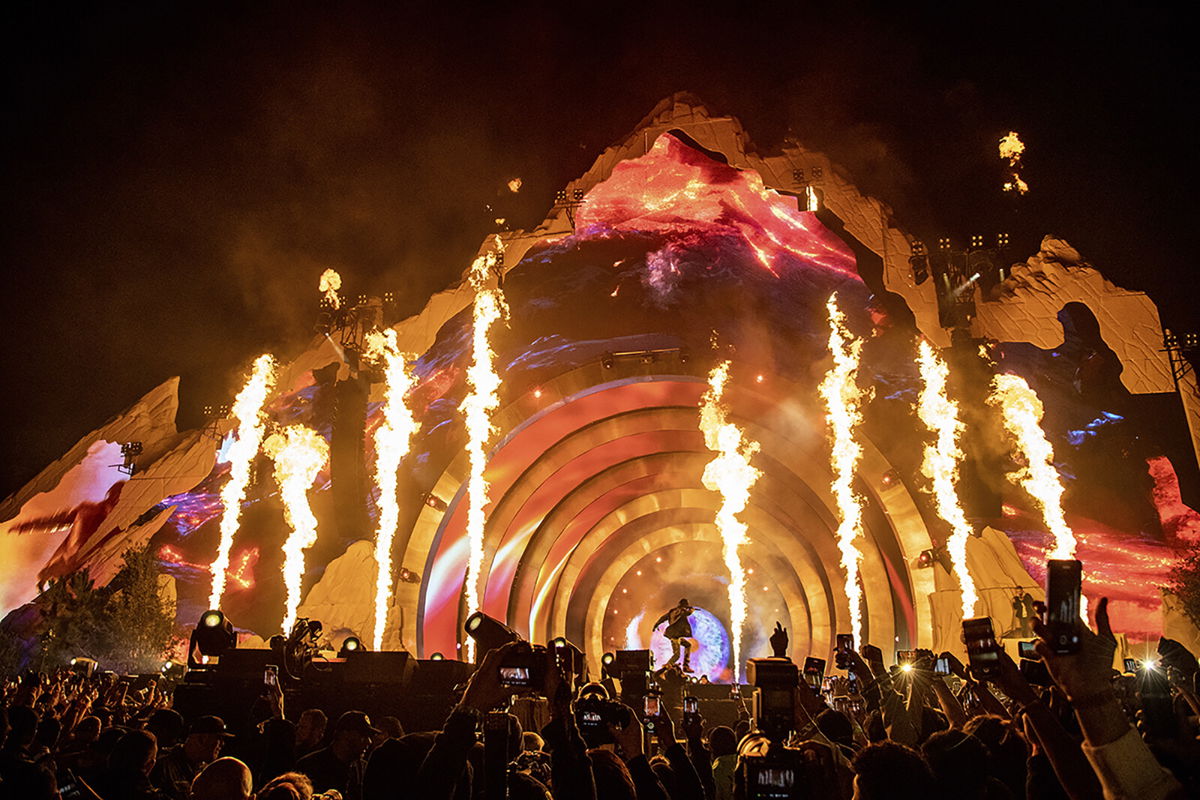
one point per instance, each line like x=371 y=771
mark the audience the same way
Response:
x=1088 y=732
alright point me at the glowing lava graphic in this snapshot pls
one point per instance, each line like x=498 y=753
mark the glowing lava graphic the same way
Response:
x=843 y=404
x=477 y=408
x=675 y=189
x=711 y=652
x=299 y=453
x=731 y=475
x=940 y=466
x=392 y=440
x=248 y=410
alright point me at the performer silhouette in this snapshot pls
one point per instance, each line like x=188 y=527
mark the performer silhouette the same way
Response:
x=679 y=632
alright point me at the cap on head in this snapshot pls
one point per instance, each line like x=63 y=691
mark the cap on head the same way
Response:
x=209 y=724
x=356 y=721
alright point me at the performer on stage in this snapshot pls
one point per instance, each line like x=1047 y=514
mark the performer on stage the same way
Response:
x=679 y=631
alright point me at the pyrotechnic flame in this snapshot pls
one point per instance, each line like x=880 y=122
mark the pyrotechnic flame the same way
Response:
x=810 y=194
x=248 y=411
x=477 y=407
x=1011 y=149
x=732 y=476
x=392 y=440
x=514 y=185
x=1022 y=412
x=330 y=283
x=940 y=415
x=299 y=453
x=843 y=404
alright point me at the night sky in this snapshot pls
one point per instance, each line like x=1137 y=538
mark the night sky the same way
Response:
x=176 y=176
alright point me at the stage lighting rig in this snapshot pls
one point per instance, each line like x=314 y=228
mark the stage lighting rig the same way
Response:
x=437 y=657
x=351 y=644
x=488 y=633
x=129 y=453
x=212 y=636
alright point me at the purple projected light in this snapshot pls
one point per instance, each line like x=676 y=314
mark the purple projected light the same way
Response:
x=710 y=647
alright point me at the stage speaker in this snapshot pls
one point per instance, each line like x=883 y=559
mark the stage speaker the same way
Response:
x=439 y=678
x=389 y=667
x=347 y=464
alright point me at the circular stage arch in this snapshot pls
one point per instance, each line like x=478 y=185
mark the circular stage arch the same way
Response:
x=599 y=468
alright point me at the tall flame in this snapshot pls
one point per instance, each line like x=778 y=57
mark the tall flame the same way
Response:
x=843 y=404
x=477 y=407
x=732 y=476
x=248 y=411
x=392 y=440
x=1022 y=412
x=331 y=281
x=940 y=415
x=299 y=453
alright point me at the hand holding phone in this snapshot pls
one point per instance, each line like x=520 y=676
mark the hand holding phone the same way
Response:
x=983 y=651
x=1064 y=584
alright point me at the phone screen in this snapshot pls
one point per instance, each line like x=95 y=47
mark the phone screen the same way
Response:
x=514 y=676
x=651 y=706
x=983 y=650
x=271 y=675
x=1064 y=581
x=1131 y=665
x=1025 y=649
x=690 y=705
x=941 y=666
x=814 y=671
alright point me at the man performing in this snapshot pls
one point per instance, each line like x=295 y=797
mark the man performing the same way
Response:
x=679 y=631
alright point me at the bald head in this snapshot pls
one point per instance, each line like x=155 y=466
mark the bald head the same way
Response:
x=223 y=779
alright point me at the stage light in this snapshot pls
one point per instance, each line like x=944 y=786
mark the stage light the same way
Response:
x=488 y=633
x=350 y=645
x=537 y=394
x=1150 y=665
x=213 y=635
x=437 y=657
x=906 y=667
x=607 y=659
x=608 y=362
x=80 y=665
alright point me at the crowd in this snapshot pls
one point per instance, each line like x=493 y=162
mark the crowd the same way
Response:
x=1084 y=731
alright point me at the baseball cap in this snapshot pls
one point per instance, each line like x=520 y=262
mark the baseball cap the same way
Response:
x=209 y=724
x=356 y=721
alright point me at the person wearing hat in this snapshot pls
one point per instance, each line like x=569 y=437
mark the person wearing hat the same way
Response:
x=678 y=632
x=340 y=765
x=175 y=770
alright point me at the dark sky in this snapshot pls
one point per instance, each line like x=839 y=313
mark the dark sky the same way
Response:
x=177 y=175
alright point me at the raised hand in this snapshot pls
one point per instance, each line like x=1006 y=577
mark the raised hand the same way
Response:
x=779 y=641
x=1087 y=673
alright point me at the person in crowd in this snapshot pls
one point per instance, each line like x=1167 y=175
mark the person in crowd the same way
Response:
x=127 y=774
x=310 y=731
x=723 y=743
x=340 y=766
x=176 y=769
x=223 y=779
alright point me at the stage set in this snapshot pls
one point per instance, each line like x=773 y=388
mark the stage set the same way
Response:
x=711 y=373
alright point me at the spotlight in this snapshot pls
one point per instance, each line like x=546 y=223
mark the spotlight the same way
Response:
x=608 y=362
x=174 y=672
x=488 y=633
x=212 y=636
x=437 y=657
x=83 y=666
x=906 y=667
x=568 y=656
x=350 y=645
x=607 y=659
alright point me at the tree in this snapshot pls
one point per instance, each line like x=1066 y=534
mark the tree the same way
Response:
x=1184 y=583
x=125 y=625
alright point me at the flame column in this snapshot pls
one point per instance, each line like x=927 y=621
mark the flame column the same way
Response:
x=843 y=405
x=732 y=476
x=477 y=408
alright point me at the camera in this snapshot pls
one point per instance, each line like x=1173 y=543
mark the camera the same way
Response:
x=770 y=771
x=593 y=713
x=524 y=666
x=775 y=681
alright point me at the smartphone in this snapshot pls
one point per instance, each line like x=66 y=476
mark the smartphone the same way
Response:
x=650 y=710
x=271 y=675
x=691 y=709
x=1131 y=665
x=1064 y=582
x=1154 y=692
x=814 y=672
x=941 y=666
x=983 y=651
x=845 y=645
x=1035 y=672
x=1025 y=650
x=514 y=677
